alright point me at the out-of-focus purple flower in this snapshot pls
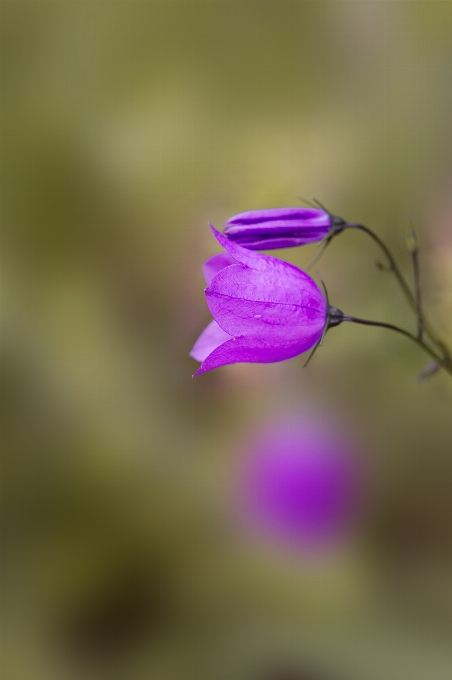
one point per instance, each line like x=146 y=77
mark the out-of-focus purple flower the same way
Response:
x=279 y=227
x=300 y=483
x=264 y=309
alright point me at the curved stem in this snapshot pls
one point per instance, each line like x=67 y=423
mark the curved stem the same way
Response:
x=446 y=363
x=422 y=323
x=417 y=283
x=392 y=263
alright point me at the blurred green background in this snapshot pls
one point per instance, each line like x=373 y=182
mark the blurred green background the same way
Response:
x=126 y=127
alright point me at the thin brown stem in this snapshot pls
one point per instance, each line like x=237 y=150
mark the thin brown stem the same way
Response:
x=413 y=300
x=417 y=285
x=443 y=361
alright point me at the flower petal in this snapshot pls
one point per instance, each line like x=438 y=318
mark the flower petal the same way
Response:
x=283 y=273
x=282 y=283
x=249 y=350
x=242 y=255
x=212 y=337
x=248 y=302
x=215 y=264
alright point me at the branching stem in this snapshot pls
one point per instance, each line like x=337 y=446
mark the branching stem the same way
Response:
x=414 y=300
x=445 y=362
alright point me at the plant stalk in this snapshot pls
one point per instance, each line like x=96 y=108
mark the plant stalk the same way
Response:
x=445 y=362
x=414 y=301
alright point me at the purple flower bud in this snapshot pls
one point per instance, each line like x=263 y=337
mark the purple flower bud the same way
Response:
x=278 y=227
x=264 y=309
x=300 y=483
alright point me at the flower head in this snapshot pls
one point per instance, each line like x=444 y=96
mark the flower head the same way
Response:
x=300 y=482
x=279 y=227
x=264 y=309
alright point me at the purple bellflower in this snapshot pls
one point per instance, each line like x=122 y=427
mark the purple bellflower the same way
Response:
x=264 y=309
x=281 y=227
x=300 y=483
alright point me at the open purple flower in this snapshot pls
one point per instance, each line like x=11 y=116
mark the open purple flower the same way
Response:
x=264 y=309
x=300 y=482
x=280 y=227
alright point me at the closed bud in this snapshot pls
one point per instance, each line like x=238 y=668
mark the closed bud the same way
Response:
x=280 y=227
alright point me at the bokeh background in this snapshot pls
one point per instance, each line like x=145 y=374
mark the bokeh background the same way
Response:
x=126 y=127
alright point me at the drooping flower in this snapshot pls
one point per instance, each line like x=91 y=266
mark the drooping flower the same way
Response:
x=300 y=482
x=264 y=309
x=280 y=227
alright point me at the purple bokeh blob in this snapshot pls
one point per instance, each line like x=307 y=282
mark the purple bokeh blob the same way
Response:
x=300 y=483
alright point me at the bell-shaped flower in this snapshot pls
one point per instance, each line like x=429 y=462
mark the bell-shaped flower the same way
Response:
x=280 y=227
x=264 y=309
